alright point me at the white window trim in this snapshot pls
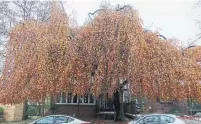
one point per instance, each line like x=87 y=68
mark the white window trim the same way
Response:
x=76 y=103
x=94 y=103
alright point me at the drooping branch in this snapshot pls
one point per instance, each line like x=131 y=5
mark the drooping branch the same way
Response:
x=44 y=59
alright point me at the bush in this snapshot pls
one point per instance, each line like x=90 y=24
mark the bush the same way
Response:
x=1 y=110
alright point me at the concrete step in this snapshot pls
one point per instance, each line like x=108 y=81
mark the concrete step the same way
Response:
x=107 y=115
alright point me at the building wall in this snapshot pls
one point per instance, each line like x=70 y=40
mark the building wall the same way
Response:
x=13 y=112
x=149 y=107
x=157 y=107
x=19 y=112
x=130 y=108
x=85 y=112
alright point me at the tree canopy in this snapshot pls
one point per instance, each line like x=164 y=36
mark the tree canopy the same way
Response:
x=45 y=58
x=16 y=12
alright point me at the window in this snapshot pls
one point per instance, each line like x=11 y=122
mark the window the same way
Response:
x=153 y=119
x=62 y=119
x=64 y=98
x=75 y=99
x=58 y=98
x=46 y=120
x=166 y=119
x=91 y=100
x=139 y=122
x=70 y=98
x=81 y=99
x=86 y=98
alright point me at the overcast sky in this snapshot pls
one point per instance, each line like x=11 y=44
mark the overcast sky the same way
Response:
x=172 y=18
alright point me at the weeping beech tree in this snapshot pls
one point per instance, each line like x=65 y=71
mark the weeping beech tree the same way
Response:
x=44 y=59
x=37 y=56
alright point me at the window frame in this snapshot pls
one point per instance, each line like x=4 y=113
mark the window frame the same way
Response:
x=78 y=98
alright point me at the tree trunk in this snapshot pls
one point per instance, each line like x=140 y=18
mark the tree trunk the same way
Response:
x=43 y=107
x=118 y=105
x=25 y=114
x=121 y=114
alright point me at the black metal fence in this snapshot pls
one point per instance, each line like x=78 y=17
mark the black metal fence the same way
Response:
x=37 y=110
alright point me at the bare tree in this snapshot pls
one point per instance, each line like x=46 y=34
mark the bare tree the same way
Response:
x=16 y=12
x=198 y=4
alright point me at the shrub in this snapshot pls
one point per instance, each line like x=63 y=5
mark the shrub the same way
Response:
x=1 y=110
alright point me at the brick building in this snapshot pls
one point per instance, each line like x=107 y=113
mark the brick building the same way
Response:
x=85 y=107
x=13 y=112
